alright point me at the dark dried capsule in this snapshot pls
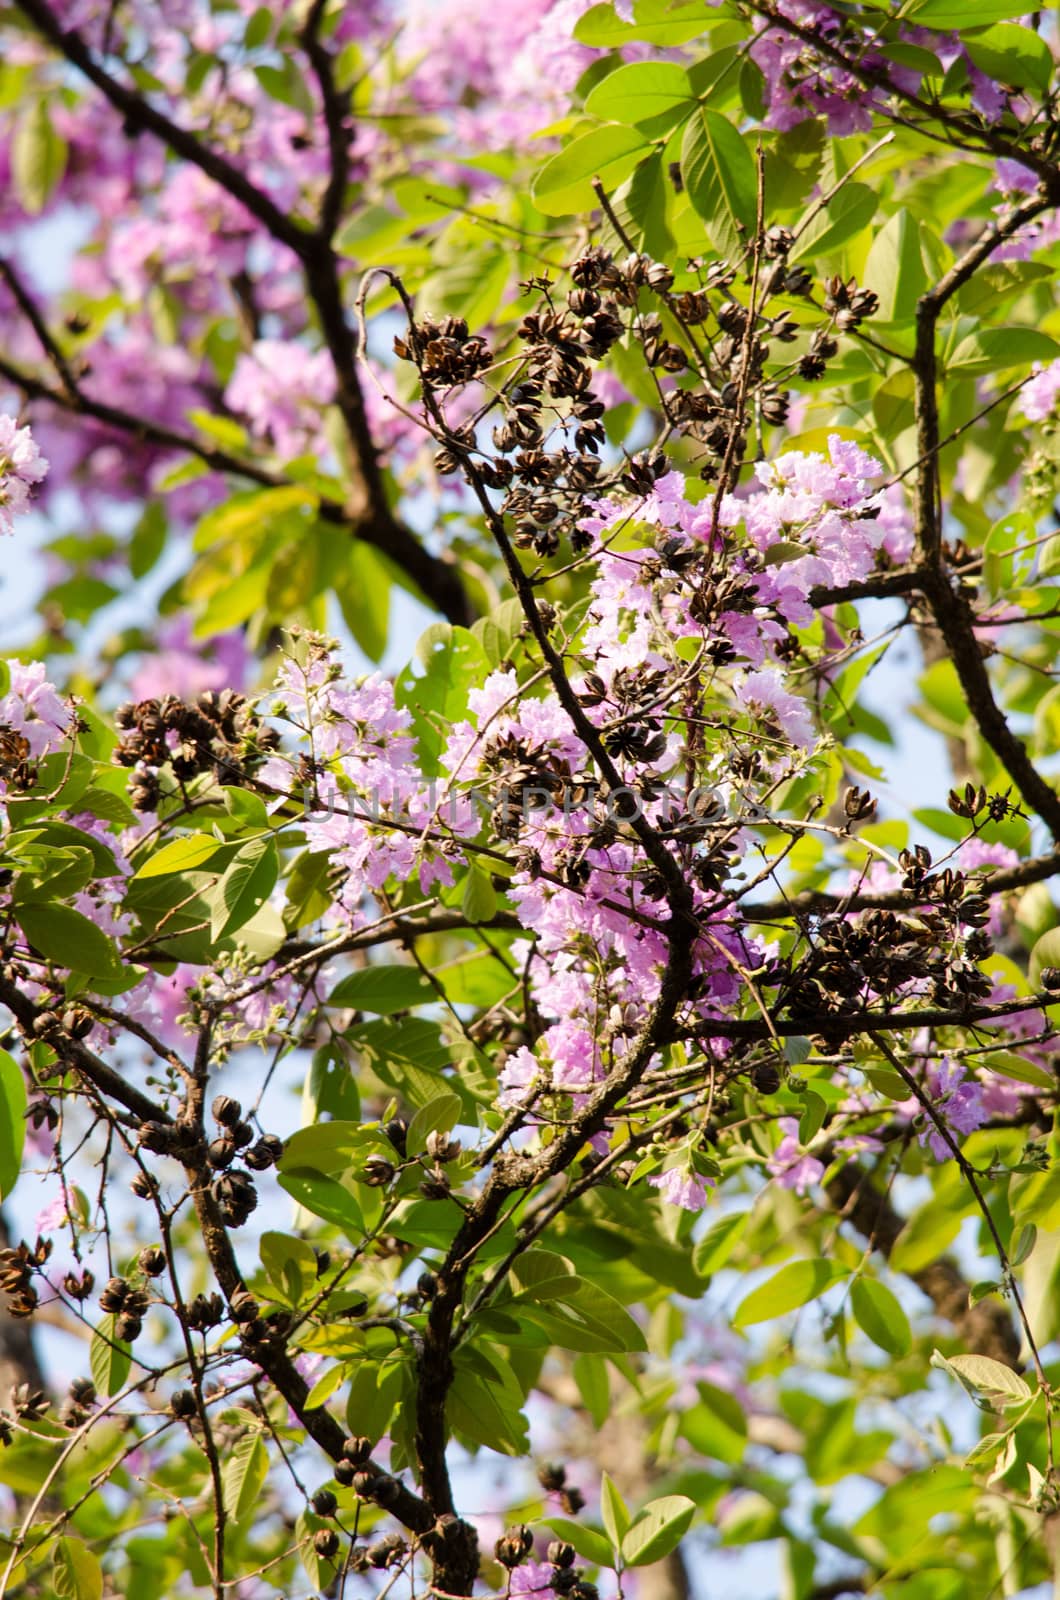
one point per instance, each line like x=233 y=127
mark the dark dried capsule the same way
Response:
x=221 y=1153
x=513 y=1547
x=1050 y=979
x=156 y=1137
x=427 y=1284
x=152 y=1261
x=435 y=1186
x=127 y=1327
x=78 y=1022
x=365 y=1479
x=205 y=1312
x=344 y=1473
x=144 y=1186
x=396 y=1131
x=386 y=1552
x=766 y=1078
x=357 y=1449
x=552 y=1477
x=226 y=1111
x=561 y=1554
x=113 y=1295
x=326 y=1543
x=83 y=1392
x=572 y=1501
x=324 y=1503
x=243 y=1306
x=182 y=1405
x=78 y=1287
x=242 y=1134
x=266 y=1153
x=377 y=1171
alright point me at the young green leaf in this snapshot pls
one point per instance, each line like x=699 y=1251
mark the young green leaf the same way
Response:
x=719 y=176
x=613 y=1510
x=245 y=886
x=791 y=1287
x=76 y=1572
x=658 y=1529
x=243 y=1476
x=879 y=1314
x=13 y=1100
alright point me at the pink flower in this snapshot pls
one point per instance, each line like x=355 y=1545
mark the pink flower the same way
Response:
x=680 y=1186
x=762 y=694
x=790 y=1165
x=1037 y=400
x=32 y=707
x=54 y=1214
x=21 y=466
x=532 y=1578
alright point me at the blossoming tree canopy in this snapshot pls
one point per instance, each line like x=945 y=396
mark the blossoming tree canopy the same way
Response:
x=529 y=1109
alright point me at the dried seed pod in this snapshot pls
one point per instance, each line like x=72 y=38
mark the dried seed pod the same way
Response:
x=152 y=1261
x=226 y=1111
x=324 y=1503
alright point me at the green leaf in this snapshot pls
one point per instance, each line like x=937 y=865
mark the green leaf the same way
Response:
x=613 y=1511
x=326 y=1198
x=793 y=1286
x=109 y=1358
x=643 y=91
x=243 y=1476
x=996 y=349
x=1046 y=953
x=653 y=20
x=440 y=1114
x=879 y=1314
x=895 y=270
x=930 y=1230
x=246 y=808
x=1024 y=1071
x=1023 y=1245
x=362 y=589
x=13 y=1100
x=1017 y=57
x=76 y=1572
x=479 y=902
x=38 y=157
x=957 y=14
x=813 y=1116
x=590 y=1543
x=719 y=1242
x=659 y=1528
x=1049 y=558
x=383 y=990
x=564 y=184
x=64 y=936
x=590 y=1374
x=985 y=1379
x=847 y=214
x=180 y=855
x=245 y=887
x=719 y=174
x=375 y=1389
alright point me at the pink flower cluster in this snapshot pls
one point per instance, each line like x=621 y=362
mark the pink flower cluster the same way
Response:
x=21 y=467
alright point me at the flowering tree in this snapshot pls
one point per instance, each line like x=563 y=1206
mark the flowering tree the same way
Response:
x=675 y=1168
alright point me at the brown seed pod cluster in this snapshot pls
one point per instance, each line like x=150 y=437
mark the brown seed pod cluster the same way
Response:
x=220 y=734
x=17 y=1267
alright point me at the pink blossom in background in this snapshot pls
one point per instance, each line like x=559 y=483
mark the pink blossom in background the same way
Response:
x=21 y=467
x=186 y=667
x=789 y=1164
x=1037 y=399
